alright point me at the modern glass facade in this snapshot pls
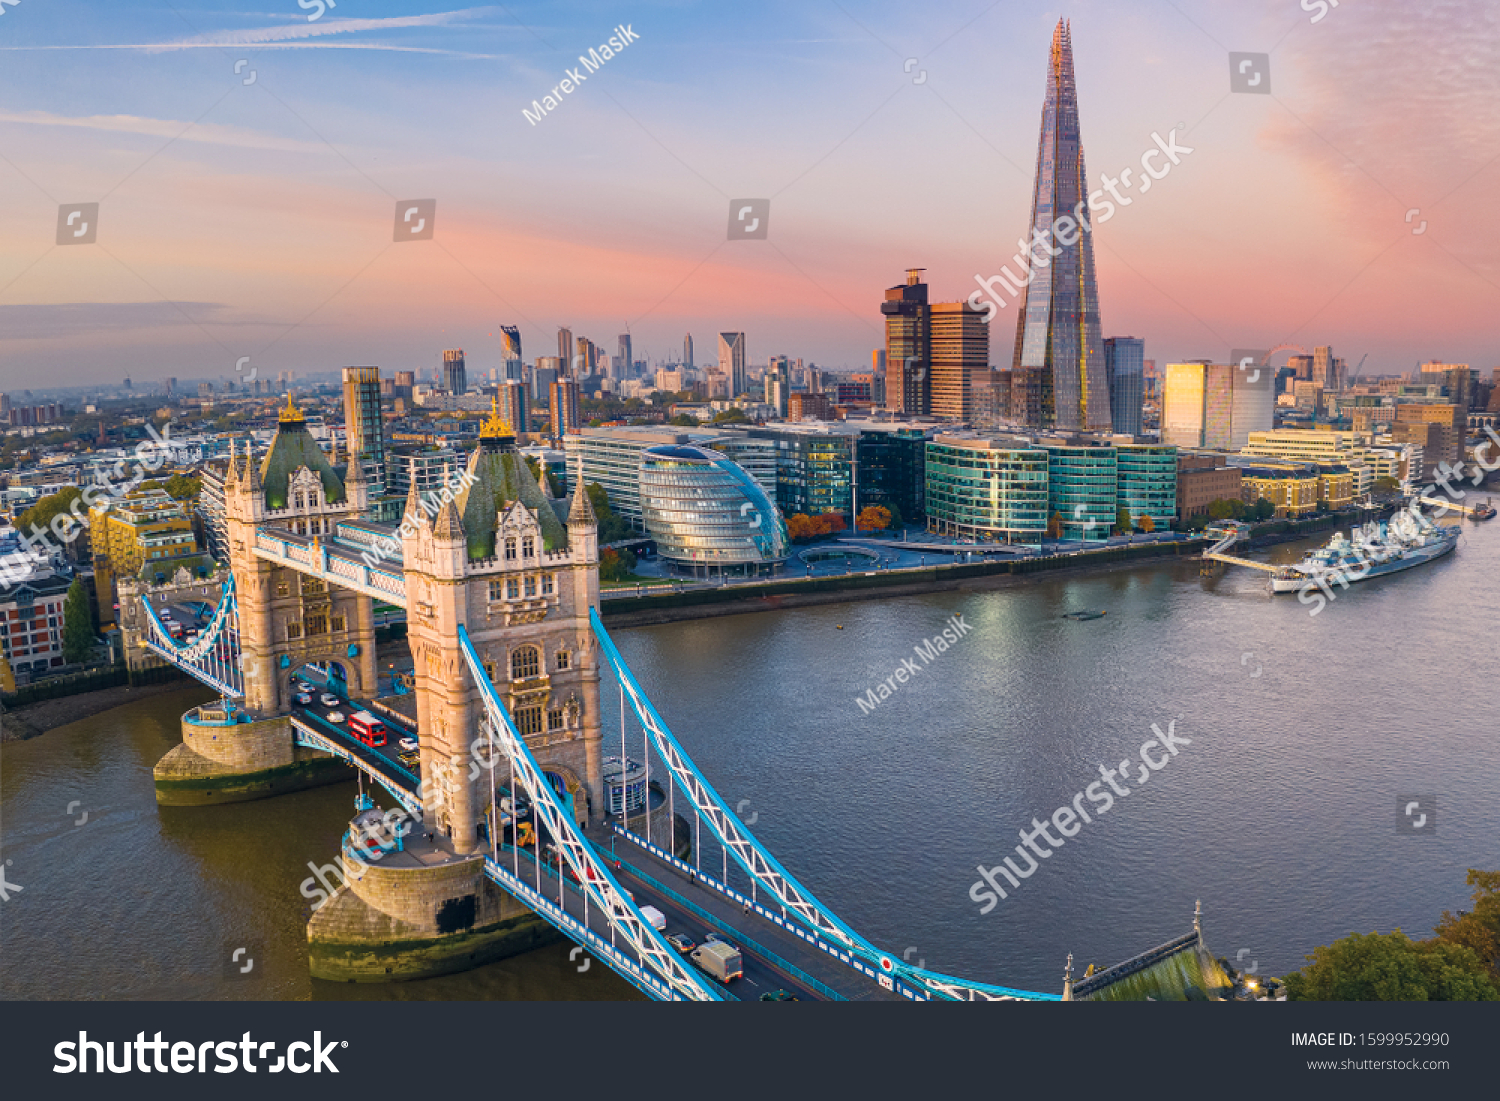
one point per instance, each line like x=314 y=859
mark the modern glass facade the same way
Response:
x=982 y=488
x=1147 y=484
x=1125 y=372
x=1082 y=489
x=704 y=511
x=1057 y=329
x=815 y=471
x=893 y=472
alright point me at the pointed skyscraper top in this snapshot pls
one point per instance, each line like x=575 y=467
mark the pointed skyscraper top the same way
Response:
x=1059 y=351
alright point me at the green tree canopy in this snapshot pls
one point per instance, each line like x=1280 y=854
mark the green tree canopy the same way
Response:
x=1391 y=967
x=78 y=623
x=1123 y=522
x=43 y=511
x=611 y=527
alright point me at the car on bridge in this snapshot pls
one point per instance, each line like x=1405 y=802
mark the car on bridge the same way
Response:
x=335 y=716
x=407 y=744
x=304 y=699
x=328 y=699
x=682 y=942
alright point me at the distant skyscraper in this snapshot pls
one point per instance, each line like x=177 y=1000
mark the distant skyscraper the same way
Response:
x=1323 y=371
x=513 y=407
x=1215 y=406
x=960 y=358
x=455 y=381
x=1125 y=374
x=566 y=413
x=1057 y=330
x=687 y=350
x=908 y=343
x=515 y=365
x=732 y=361
x=364 y=431
x=626 y=362
x=565 y=347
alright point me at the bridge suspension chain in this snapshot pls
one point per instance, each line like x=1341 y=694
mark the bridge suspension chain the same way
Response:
x=594 y=877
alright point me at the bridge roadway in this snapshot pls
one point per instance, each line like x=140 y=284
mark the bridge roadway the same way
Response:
x=774 y=959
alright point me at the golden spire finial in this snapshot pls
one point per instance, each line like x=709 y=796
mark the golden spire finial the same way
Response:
x=495 y=426
x=290 y=412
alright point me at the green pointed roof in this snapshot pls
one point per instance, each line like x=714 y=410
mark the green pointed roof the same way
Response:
x=502 y=478
x=294 y=447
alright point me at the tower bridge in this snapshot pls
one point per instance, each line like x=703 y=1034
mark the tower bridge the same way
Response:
x=502 y=826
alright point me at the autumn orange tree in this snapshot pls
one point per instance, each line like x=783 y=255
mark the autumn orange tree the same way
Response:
x=1148 y=525
x=873 y=518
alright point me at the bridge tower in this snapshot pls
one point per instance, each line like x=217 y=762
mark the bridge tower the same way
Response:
x=499 y=559
x=287 y=619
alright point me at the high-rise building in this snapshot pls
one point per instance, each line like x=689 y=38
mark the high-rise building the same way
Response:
x=687 y=351
x=1125 y=374
x=1323 y=370
x=732 y=361
x=364 y=430
x=585 y=357
x=960 y=357
x=567 y=415
x=514 y=408
x=626 y=357
x=908 y=344
x=1057 y=330
x=1215 y=405
x=565 y=347
x=454 y=379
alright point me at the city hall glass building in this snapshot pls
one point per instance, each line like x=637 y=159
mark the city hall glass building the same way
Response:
x=706 y=514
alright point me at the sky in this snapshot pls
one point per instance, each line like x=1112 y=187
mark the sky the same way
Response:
x=247 y=211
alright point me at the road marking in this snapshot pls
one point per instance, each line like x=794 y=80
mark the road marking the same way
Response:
x=751 y=981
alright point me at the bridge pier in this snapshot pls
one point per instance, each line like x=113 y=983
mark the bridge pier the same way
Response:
x=220 y=761
x=416 y=914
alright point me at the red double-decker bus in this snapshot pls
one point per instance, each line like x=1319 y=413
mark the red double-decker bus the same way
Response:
x=367 y=728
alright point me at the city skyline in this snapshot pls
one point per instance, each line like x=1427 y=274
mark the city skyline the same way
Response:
x=256 y=224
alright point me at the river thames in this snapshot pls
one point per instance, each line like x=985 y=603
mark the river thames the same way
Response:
x=1305 y=737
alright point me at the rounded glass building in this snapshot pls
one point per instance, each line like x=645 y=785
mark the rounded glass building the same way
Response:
x=707 y=514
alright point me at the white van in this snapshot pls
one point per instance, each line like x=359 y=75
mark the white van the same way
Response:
x=657 y=919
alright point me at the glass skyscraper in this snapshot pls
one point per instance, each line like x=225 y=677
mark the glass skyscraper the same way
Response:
x=1125 y=373
x=1057 y=333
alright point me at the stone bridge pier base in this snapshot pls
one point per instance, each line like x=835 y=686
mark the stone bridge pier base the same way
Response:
x=414 y=914
x=221 y=761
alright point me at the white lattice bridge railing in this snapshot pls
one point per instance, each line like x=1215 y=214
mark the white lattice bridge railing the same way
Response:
x=335 y=564
x=214 y=656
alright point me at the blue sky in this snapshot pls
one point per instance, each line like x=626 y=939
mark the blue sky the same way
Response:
x=257 y=220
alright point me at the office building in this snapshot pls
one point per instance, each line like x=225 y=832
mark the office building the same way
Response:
x=455 y=381
x=1215 y=406
x=732 y=361
x=1147 y=484
x=891 y=470
x=1057 y=327
x=908 y=336
x=364 y=428
x=513 y=408
x=1082 y=486
x=565 y=348
x=959 y=343
x=625 y=358
x=707 y=514
x=565 y=408
x=1125 y=375
x=815 y=468
x=687 y=351
x=986 y=487
x=1202 y=480
x=31 y=624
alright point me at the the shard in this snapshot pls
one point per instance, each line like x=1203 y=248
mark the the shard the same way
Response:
x=1059 y=354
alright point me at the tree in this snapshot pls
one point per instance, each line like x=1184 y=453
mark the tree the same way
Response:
x=611 y=527
x=78 y=623
x=873 y=518
x=1477 y=929
x=1148 y=525
x=616 y=565
x=685 y=420
x=1122 y=520
x=1262 y=510
x=1054 y=526
x=1391 y=967
x=730 y=416
x=831 y=523
x=801 y=527
x=1386 y=483
x=41 y=514
x=1219 y=509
